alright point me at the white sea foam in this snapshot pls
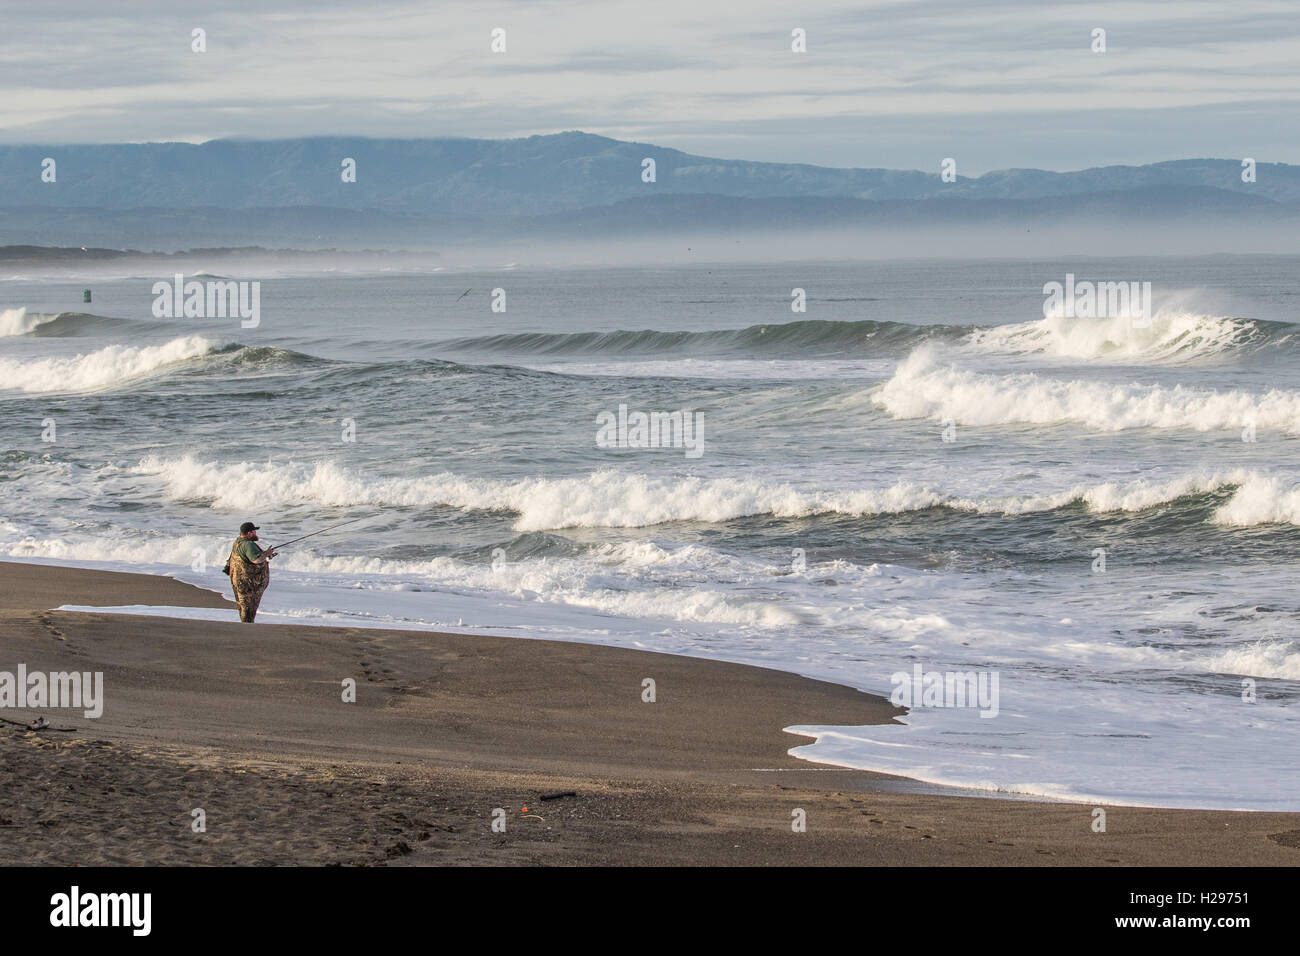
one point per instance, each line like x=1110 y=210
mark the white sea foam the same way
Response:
x=18 y=322
x=617 y=579
x=1139 y=495
x=1262 y=499
x=603 y=498
x=104 y=368
x=614 y=499
x=1172 y=335
x=180 y=550
x=1267 y=659
x=1195 y=761
x=921 y=387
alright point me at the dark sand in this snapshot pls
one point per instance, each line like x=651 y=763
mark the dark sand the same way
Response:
x=247 y=723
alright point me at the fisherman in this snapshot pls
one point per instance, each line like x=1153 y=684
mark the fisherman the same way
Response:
x=250 y=571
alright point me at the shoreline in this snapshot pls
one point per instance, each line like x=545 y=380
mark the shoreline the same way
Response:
x=881 y=779
x=246 y=723
x=219 y=609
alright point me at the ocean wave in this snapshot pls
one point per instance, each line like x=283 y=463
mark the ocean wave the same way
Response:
x=67 y=324
x=606 y=585
x=1268 y=659
x=1261 y=499
x=921 y=387
x=105 y=368
x=18 y=322
x=806 y=337
x=610 y=499
x=613 y=583
x=261 y=358
x=1171 y=336
x=1112 y=497
x=15 y=322
x=179 y=550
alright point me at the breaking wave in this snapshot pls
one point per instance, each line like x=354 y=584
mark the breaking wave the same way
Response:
x=921 y=387
x=15 y=322
x=105 y=368
x=612 y=499
x=1170 y=337
x=18 y=322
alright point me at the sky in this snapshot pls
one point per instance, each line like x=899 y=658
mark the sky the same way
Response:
x=901 y=84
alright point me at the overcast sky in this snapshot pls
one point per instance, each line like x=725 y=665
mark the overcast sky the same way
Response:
x=894 y=84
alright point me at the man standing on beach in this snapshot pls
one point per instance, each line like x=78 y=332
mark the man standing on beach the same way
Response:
x=250 y=571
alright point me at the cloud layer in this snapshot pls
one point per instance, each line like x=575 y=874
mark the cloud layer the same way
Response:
x=895 y=84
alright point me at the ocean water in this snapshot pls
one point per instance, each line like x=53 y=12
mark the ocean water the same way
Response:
x=917 y=471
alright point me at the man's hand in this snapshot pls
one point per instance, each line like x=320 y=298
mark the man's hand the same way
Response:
x=269 y=553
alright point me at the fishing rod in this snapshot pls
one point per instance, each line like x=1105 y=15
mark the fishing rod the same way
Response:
x=321 y=531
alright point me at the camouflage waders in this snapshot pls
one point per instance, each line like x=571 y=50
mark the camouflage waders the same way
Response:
x=248 y=581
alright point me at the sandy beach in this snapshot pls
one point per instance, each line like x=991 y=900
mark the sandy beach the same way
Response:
x=248 y=724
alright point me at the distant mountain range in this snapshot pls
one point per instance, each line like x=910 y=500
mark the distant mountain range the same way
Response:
x=428 y=191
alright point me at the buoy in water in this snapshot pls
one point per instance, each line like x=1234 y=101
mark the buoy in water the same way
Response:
x=85 y=295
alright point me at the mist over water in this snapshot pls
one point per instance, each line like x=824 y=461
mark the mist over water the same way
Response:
x=494 y=508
